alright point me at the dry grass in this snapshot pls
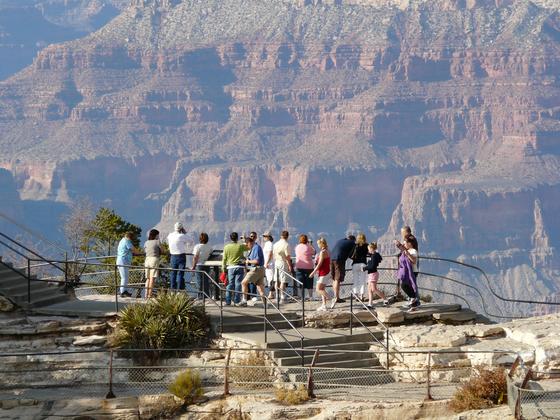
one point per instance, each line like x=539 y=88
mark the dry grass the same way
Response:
x=187 y=386
x=486 y=389
x=290 y=396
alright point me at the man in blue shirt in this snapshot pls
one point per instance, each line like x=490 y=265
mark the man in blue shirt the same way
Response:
x=343 y=249
x=255 y=270
x=125 y=252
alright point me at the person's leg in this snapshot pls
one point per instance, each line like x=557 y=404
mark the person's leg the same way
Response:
x=150 y=288
x=407 y=288
x=375 y=279
x=230 y=288
x=174 y=262
x=239 y=277
x=245 y=288
x=123 y=272
x=200 y=284
x=181 y=274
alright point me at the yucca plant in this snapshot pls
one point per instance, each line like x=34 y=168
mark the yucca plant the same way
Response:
x=170 y=321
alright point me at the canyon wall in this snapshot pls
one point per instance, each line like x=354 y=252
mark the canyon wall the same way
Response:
x=318 y=116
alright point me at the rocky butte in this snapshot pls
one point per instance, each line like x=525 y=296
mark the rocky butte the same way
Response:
x=315 y=115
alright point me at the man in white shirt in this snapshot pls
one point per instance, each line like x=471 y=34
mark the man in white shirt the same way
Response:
x=178 y=241
x=282 y=262
x=269 y=263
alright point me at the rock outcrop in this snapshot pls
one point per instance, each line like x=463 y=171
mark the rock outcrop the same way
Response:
x=319 y=116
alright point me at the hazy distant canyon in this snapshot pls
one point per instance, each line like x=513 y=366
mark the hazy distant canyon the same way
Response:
x=318 y=116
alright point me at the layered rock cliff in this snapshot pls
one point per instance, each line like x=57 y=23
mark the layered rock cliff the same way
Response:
x=319 y=116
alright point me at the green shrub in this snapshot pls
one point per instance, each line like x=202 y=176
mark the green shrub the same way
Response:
x=487 y=388
x=290 y=396
x=187 y=386
x=170 y=321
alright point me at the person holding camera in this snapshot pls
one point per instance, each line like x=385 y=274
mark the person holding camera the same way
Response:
x=177 y=241
x=407 y=270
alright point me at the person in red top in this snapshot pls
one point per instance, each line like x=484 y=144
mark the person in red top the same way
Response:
x=323 y=270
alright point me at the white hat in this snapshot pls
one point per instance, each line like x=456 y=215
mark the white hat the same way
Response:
x=178 y=226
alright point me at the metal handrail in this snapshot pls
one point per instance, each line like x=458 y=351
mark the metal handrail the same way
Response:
x=18 y=244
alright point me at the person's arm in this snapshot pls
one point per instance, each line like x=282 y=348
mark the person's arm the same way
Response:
x=196 y=255
x=319 y=262
x=411 y=258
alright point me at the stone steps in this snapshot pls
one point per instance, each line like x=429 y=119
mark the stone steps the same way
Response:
x=13 y=285
x=331 y=358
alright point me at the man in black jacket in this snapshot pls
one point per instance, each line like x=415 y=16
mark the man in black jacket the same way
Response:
x=342 y=250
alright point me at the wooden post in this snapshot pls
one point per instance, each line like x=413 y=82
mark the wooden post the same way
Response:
x=226 y=373
x=110 y=393
x=310 y=383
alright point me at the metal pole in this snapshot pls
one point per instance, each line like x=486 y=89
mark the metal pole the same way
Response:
x=351 y=311
x=264 y=321
x=221 y=315
x=387 y=345
x=302 y=307
x=28 y=280
x=278 y=287
x=226 y=373
x=116 y=292
x=110 y=393
x=428 y=384
x=302 y=352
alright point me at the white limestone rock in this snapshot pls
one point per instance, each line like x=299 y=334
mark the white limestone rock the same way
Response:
x=390 y=315
x=428 y=336
x=502 y=352
x=464 y=315
x=90 y=340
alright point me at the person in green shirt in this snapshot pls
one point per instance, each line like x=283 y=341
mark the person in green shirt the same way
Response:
x=233 y=263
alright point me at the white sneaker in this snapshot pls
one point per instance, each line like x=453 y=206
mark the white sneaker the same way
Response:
x=282 y=300
x=322 y=308
x=254 y=298
x=333 y=303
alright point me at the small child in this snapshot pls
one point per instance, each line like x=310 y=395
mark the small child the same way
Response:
x=374 y=259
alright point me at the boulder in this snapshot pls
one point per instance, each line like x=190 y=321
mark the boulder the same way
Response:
x=428 y=336
x=327 y=319
x=390 y=315
x=484 y=331
x=502 y=352
x=454 y=318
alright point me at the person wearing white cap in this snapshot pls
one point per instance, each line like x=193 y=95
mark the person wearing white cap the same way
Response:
x=177 y=241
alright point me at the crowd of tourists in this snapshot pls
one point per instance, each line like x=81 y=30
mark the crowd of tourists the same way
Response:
x=255 y=269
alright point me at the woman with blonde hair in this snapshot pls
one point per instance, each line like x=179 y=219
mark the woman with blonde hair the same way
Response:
x=323 y=270
x=359 y=261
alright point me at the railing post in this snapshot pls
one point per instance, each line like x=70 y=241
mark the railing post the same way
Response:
x=116 y=291
x=387 y=345
x=351 y=311
x=428 y=382
x=221 y=315
x=310 y=383
x=110 y=394
x=278 y=287
x=302 y=307
x=265 y=322
x=28 y=280
x=226 y=373
x=302 y=352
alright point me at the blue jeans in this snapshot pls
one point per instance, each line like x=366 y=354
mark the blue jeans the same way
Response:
x=177 y=278
x=235 y=276
x=123 y=272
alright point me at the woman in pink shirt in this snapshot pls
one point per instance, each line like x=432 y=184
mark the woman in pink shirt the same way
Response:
x=304 y=265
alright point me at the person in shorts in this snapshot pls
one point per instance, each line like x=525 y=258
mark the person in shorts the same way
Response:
x=282 y=263
x=322 y=269
x=255 y=270
x=343 y=249
x=373 y=261
x=153 y=250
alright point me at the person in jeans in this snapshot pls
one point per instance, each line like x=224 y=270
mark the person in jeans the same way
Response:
x=233 y=265
x=304 y=265
x=201 y=253
x=153 y=250
x=177 y=241
x=125 y=252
